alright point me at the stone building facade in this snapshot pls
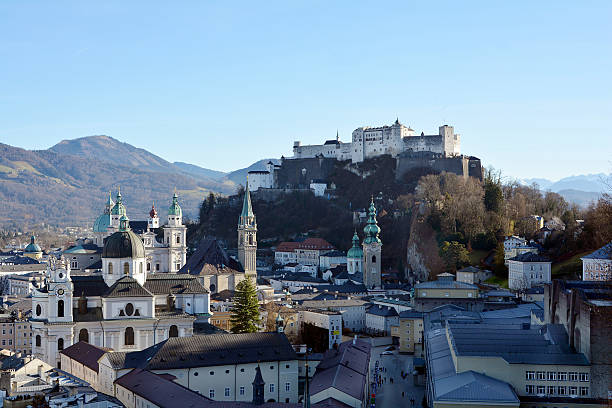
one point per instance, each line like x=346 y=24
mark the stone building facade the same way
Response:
x=585 y=309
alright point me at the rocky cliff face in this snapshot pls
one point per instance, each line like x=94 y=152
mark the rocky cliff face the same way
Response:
x=422 y=251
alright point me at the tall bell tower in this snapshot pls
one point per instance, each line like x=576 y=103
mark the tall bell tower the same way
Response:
x=247 y=236
x=372 y=248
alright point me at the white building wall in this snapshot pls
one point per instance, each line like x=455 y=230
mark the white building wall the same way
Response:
x=524 y=275
x=237 y=379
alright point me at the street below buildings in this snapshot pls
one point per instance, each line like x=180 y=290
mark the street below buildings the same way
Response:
x=395 y=391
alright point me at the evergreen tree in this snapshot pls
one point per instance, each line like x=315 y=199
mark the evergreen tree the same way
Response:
x=245 y=311
x=454 y=254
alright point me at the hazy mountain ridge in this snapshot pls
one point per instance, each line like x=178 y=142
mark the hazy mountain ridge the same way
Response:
x=595 y=183
x=47 y=186
x=68 y=183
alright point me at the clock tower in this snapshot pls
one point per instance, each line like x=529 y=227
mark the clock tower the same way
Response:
x=60 y=293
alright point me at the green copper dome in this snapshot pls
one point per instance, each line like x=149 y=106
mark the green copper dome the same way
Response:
x=371 y=229
x=175 y=208
x=102 y=223
x=32 y=246
x=355 y=251
x=118 y=208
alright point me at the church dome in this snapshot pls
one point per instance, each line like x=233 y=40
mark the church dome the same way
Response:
x=123 y=243
x=101 y=223
x=32 y=246
x=355 y=251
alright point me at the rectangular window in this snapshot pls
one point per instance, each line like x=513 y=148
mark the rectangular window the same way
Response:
x=211 y=393
x=573 y=390
x=227 y=391
x=541 y=375
x=562 y=376
x=541 y=389
x=530 y=375
x=271 y=387
x=584 y=391
x=562 y=390
x=530 y=389
x=584 y=377
x=241 y=390
x=287 y=386
x=573 y=376
x=551 y=390
x=551 y=376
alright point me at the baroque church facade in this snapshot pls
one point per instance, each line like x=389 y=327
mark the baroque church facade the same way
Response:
x=127 y=306
x=165 y=245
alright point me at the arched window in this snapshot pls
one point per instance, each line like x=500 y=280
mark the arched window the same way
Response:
x=178 y=239
x=126 y=268
x=38 y=310
x=84 y=335
x=129 y=336
x=373 y=258
x=110 y=268
x=250 y=239
x=60 y=308
x=173 y=331
x=60 y=344
x=37 y=340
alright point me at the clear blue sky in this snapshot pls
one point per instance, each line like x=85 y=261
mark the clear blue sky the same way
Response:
x=528 y=85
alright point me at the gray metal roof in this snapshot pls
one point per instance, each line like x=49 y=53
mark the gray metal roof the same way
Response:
x=163 y=284
x=470 y=386
x=514 y=344
x=345 y=369
x=127 y=287
x=445 y=284
x=208 y=350
x=605 y=252
x=385 y=311
x=447 y=385
x=529 y=257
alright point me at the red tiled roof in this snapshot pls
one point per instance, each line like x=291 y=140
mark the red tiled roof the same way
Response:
x=86 y=354
x=287 y=246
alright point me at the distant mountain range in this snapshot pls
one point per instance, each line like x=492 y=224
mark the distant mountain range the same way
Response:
x=68 y=183
x=582 y=189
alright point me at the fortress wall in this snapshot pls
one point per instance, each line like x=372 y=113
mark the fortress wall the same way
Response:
x=297 y=173
x=461 y=165
x=431 y=143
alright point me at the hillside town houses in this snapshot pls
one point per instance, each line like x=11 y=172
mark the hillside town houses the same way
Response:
x=125 y=318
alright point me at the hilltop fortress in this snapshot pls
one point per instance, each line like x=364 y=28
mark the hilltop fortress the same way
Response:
x=311 y=165
x=368 y=142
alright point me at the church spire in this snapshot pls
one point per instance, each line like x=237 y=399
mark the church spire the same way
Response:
x=371 y=229
x=247 y=209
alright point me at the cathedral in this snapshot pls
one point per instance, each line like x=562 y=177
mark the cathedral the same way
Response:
x=137 y=299
x=167 y=254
